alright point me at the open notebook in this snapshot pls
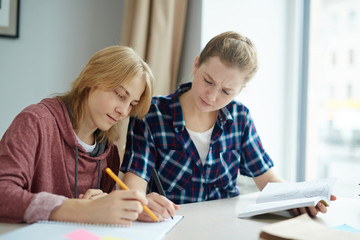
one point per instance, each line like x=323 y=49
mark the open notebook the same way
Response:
x=78 y=231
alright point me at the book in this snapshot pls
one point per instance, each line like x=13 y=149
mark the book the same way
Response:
x=77 y=231
x=277 y=197
x=304 y=228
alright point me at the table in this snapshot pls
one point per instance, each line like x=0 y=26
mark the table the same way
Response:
x=218 y=219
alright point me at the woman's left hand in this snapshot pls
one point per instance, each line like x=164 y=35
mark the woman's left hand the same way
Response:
x=162 y=207
x=92 y=194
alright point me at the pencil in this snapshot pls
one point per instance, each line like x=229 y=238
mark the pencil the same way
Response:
x=159 y=187
x=123 y=186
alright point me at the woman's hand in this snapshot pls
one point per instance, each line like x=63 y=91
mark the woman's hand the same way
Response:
x=312 y=211
x=118 y=207
x=92 y=194
x=162 y=207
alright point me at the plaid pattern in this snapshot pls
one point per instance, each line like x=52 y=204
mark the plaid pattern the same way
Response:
x=161 y=140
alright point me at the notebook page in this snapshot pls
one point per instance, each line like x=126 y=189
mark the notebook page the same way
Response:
x=64 y=231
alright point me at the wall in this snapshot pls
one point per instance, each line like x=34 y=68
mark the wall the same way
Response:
x=56 y=40
x=271 y=95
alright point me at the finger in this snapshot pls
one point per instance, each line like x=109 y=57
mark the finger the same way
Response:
x=129 y=215
x=333 y=198
x=296 y=211
x=91 y=192
x=132 y=195
x=312 y=211
x=321 y=207
x=163 y=205
x=81 y=196
x=144 y=217
x=98 y=196
x=302 y=210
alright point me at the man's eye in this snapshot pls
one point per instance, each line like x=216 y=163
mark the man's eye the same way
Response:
x=225 y=92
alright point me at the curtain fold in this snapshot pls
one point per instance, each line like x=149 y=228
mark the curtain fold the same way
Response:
x=154 y=29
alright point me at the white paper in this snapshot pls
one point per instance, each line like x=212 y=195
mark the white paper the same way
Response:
x=289 y=190
x=58 y=230
x=284 y=196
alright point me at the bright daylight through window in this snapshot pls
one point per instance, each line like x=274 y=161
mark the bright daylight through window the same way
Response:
x=333 y=125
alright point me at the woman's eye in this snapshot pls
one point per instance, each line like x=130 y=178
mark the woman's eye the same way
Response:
x=225 y=92
x=119 y=94
x=208 y=82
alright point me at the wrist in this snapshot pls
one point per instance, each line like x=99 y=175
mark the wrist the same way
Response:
x=72 y=210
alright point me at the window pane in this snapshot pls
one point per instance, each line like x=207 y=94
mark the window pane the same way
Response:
x=333 y=133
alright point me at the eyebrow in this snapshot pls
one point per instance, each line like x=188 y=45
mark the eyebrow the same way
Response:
x=128 y=94
x=226 y=89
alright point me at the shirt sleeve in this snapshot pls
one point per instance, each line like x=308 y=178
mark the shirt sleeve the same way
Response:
x=255 y=161
x=140 y=152
x=41 y=205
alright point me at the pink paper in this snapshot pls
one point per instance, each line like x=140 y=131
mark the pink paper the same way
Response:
x=82 y=234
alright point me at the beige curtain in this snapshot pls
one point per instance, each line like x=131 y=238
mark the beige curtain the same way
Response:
x=154 y=29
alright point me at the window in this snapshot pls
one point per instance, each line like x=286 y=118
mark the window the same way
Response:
x=333 y=124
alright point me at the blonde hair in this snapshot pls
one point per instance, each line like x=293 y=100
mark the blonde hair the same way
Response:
x=234 y=50
x=108 y=69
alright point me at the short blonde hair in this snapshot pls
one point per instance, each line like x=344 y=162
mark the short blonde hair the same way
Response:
x=108 y=69
x=234 y=50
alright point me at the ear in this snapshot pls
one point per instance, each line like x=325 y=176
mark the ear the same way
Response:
x=196 y=65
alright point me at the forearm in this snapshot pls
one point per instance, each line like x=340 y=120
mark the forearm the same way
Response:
x=72 y=210
x=265 y=178
x=135 y=182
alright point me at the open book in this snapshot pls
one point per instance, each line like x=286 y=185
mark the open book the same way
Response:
x=284 y=196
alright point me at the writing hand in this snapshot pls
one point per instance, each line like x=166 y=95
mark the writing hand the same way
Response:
x=162 y=207
x=118 y=207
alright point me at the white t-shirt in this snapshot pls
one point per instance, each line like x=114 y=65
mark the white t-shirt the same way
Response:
x=202 y=142
x=88 y=148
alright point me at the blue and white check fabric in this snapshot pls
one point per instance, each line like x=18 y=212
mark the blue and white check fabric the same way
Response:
x=161 y=140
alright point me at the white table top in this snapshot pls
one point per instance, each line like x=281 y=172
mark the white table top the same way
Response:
x=218 y=219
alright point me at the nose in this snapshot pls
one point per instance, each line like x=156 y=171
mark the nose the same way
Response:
x=123 y=109
x=212 y=94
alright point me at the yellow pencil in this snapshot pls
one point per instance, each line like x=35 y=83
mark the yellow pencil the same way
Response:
x=123 y=186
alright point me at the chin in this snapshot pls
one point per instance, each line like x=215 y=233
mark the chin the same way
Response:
x=105 y=128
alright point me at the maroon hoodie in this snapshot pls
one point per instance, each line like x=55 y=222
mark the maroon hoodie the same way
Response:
x=42 y=163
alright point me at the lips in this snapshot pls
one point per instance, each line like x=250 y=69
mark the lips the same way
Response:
x=205 y=103
x=112 y=120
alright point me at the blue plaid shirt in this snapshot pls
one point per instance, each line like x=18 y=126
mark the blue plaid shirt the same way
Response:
x=161 y=140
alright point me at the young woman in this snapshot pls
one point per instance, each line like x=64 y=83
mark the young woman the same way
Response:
x=198 y=138
x=54 y=153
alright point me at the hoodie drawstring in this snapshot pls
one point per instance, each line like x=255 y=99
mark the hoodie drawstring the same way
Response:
x=99 y=175
x=76 y=173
